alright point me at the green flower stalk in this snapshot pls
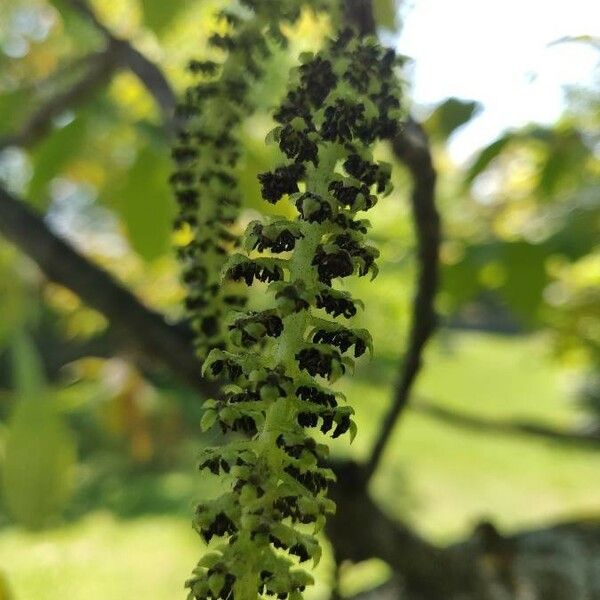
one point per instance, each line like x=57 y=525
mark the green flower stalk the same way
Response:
x=339 y=103
x=207 y=153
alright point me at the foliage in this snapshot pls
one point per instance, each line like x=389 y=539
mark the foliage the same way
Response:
x=38 y=443
x=520 y=253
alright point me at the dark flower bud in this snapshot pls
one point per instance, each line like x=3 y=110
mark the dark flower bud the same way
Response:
x=346 y=222
x=245 y=424
x=274 y=237
x=298 y=145
x=187 y=198
x=342 y=426
x=365 y=254
x=319 y=362
x=307 y=419
x=210 y=326
x=281 y=181
x=227 y=366
x=295 y=105
x=292 y=296
x=184 y=154
x=223 y=42
x=332 y=264
x=318 y=79
x=206 y=67
x=342 y=339
x=248 y=270
x=300 y=551
x=316 y=396
x=185 y=178
x=212 y=464
x=356 y=198
x=254 y=326
x=342 y=120
x=313 y=208
x=361 y=169
x=336 y=303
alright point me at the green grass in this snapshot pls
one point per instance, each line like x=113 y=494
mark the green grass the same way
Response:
x=439 y=476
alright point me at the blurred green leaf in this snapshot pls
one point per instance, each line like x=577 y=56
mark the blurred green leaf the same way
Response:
x=13 y=106
x=566 y=154
x=386 y=14
x=449 y=116
x=486 y=156
x=158 y=14
x=5 y=593
x=526 y=277
x=53 y=153
x=27 y=371
x=77 y=26
x=16 y=304
x=40 y=452
x=144 y=203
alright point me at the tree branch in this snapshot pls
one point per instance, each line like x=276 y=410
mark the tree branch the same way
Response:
x=142 y=328
x=505 y=427
x=146 y=71
x=99 y=67
x=410 y=146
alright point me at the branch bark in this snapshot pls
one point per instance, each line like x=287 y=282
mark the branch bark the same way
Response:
x=504 y=427
x=411 y=147
x=99 y=67
x=143 y=329
x=126 y=55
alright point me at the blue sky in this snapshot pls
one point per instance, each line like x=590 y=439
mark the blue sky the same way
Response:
x=500 y=53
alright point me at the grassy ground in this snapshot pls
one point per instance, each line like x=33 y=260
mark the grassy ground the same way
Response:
x=440 y=477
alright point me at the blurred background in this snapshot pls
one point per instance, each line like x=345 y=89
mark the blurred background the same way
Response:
x=98 y=449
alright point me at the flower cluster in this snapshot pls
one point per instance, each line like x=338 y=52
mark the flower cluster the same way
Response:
x=283 y=359
x=207 y=153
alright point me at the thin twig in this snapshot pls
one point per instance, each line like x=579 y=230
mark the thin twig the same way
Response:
x=505 y=427
x=144 y=329
x=411 y=146
x=146 y=71
x=100 y=66
x=98 y=69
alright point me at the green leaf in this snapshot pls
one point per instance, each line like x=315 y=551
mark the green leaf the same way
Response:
x=40 y=453
x=449 y=116
x=565 y=161
x=159 y=14
x=386 y=14
x=17 y=305
x=5 y=591
x=526 y=277
x=27 y=371
x=208 y=419
x=486 y=156
x=215 y=583
x=143 y=201
x=13 y=103
x=52 y=154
